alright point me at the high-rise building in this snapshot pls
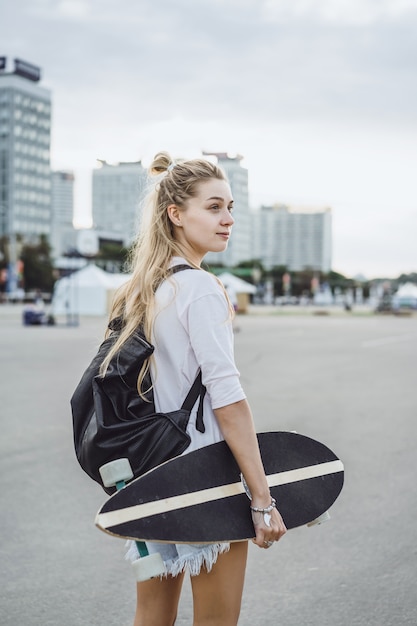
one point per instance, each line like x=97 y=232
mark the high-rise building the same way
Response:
x=62 y=229
x=117 y=191
x=239 y=247
x=296 y=238
x=25 y=133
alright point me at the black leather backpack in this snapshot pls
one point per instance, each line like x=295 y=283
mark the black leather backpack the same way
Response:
x=112 y=420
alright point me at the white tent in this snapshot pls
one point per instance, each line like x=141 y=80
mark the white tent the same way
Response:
x=238 y=290
x=86 y=292
x=406 y=296
x=239 y=285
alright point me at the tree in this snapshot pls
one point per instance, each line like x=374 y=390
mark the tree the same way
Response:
x=275 y=274
x=301 y=283
x=112 y=256
x=334 y=279
x=37 y=269
x=407 y=278
x=253 y=271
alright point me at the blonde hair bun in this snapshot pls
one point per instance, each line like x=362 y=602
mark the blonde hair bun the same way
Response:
x=160 y=163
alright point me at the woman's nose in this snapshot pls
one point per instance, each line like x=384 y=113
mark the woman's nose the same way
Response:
x=227 y=217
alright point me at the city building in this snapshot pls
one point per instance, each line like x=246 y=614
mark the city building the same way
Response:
x=239 y=248
x=296 y=238
x=25 y=133
x=62 y=201
x=25 y=175
x=117 y=191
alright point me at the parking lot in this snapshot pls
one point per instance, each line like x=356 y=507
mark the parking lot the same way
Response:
x=349 y=381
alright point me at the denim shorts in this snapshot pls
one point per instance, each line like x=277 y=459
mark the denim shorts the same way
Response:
x=178 y=557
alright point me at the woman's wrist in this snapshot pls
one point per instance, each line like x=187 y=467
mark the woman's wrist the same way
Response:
x=265 y=509
x=258 y=497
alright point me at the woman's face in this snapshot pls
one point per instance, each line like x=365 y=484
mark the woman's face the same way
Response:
x=205 y=224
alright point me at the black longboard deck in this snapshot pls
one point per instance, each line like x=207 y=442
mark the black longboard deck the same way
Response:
x=199 y=497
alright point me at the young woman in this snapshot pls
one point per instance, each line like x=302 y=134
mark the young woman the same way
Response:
x=188 y=318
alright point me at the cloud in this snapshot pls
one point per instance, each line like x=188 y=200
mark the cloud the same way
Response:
x=310 y=91
x=277 y=60
x=240 y=61
x=73 y=8
x=357 y=12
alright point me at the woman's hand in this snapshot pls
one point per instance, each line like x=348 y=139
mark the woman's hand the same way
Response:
x=269 y=527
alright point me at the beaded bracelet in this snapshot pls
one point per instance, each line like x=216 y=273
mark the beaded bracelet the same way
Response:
x=255 y=509
x=268 y=509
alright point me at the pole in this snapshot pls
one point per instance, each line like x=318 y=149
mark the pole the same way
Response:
x=12 y=265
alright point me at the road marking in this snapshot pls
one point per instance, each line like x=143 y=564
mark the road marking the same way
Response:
x=139 y=511
x=382 y=341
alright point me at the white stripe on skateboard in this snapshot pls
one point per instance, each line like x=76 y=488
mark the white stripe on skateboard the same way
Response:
x=139 y=511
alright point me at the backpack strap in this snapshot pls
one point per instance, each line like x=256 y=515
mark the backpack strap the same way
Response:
x=197 y=390
x=117 y=323
x=178 y=268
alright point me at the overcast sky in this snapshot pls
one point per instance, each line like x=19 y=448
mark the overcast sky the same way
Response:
x=319 y=96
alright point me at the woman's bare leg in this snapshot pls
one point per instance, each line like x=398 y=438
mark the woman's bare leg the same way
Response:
x=157 y=601
x=217 y=594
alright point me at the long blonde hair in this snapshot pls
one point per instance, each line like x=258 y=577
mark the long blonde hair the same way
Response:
x=134 y=302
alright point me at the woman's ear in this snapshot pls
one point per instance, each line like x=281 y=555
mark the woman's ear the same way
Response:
x=174 y=214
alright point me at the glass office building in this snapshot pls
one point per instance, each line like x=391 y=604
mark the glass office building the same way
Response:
x=117 y=191
x=296 y=238
x=25 y=135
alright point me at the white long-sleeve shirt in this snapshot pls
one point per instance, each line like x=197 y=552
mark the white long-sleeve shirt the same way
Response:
x=193 y=330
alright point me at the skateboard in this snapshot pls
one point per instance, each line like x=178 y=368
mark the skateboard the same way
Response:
x=201 y=496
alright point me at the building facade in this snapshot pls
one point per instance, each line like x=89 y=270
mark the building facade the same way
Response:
x=297 y=238
x=62 y=201
x=25 y=137
x=239 y=248
x=117 y=190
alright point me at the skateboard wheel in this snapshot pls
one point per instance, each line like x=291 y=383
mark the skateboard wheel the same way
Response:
x=148 y=567
x=320 y=520
x=116 y=472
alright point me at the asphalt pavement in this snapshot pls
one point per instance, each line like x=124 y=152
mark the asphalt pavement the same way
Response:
x=347 y=380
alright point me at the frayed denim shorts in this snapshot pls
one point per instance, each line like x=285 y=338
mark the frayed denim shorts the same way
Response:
x=179 y=557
